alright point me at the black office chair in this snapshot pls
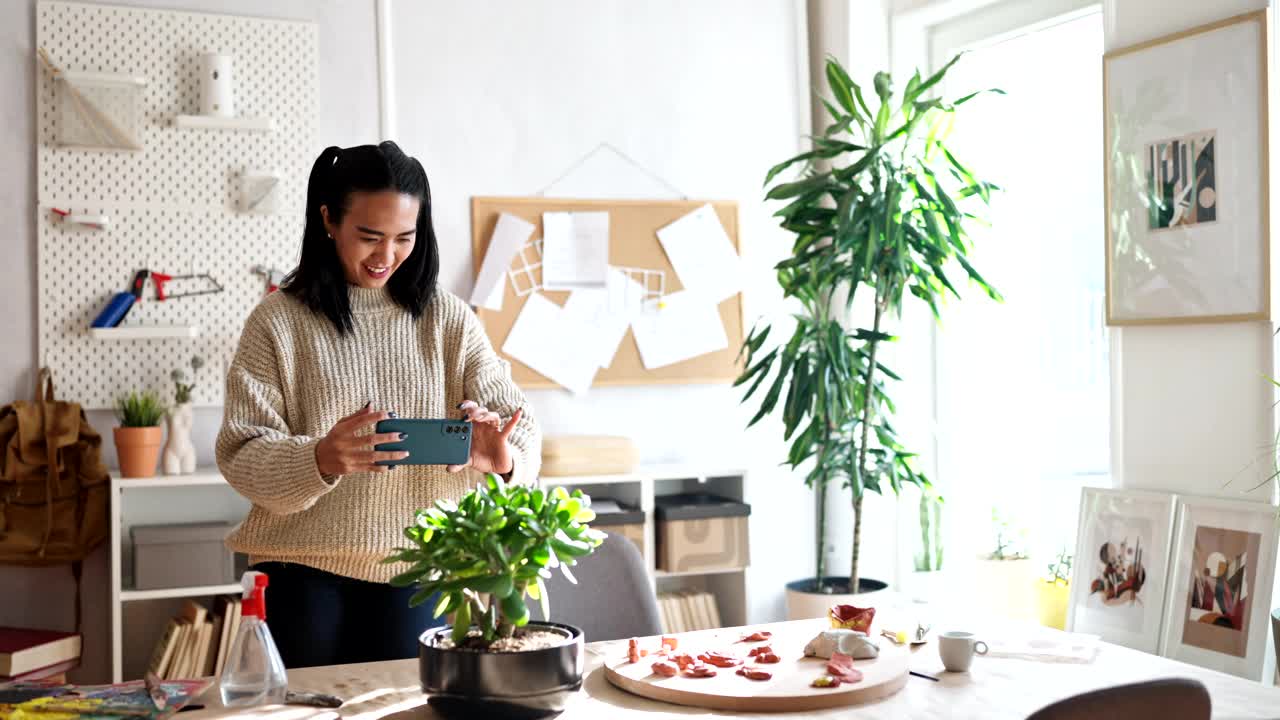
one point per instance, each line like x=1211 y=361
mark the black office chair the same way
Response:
x=1170 y=699
x=613 y=598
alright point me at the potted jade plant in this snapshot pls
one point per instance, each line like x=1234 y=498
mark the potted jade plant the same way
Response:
x=138 y=437
x=179 y=452
x=878 y=212
x=478 y=559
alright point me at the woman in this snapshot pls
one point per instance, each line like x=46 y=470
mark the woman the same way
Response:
x=359 y=332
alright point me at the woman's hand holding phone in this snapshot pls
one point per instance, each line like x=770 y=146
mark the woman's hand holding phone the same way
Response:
x=490 y=451
x=348 y=450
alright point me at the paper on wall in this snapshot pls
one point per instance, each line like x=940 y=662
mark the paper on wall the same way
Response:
x=685 y=326
x=544 y=339
x=575 y=250
x=509 y=235
x=702 y=254
x=605 y=314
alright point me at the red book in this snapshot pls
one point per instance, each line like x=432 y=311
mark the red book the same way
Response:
x=23 y=650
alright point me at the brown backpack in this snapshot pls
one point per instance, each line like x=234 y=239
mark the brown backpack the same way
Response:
x=53 y=485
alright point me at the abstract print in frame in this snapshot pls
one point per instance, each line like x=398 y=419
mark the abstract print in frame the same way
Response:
x=1222 y=573
x=1187 y=198
x=1119 y=573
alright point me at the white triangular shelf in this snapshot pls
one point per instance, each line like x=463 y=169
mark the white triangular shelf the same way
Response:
x=145 y=332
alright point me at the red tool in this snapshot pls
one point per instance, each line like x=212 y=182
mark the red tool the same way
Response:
x=159 y=279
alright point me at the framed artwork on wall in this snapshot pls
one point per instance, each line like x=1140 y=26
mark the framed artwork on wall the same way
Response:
x=1186 y=176
x=1220 y=590
x=1119 y=575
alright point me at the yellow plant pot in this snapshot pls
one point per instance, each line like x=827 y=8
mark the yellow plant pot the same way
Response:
x=1051 y=599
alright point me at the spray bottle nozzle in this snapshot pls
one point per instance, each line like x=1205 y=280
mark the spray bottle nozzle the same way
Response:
x=254 y=600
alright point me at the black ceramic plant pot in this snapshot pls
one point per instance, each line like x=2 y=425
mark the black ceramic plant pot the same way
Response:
x=466 y=683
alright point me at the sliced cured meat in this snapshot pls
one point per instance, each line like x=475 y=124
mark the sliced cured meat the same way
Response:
x=665 y=669
x=758 y=636
x=699 y=671
x=719 y=659
x=754 y=673
x=840 y=666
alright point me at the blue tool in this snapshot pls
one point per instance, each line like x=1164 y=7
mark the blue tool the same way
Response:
x=119 y=304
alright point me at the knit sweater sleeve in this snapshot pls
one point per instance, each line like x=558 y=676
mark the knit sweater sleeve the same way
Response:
x=488 y=381
x=256 y=452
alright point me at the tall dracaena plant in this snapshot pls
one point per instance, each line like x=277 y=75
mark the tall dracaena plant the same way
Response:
x=877 y=210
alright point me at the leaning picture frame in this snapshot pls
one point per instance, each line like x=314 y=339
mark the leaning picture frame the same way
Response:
x=1120 y=570
x=1221 y=579
x=1186 y=143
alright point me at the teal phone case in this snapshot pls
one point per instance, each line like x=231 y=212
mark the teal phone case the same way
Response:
x=429 y=442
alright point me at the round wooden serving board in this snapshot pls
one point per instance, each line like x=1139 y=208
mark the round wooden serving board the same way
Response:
x=788 y=690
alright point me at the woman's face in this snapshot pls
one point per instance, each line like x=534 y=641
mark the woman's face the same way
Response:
x=376 y=235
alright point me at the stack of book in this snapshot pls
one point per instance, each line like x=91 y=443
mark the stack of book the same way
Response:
x=29 y=654
x=688 y=610
x=196 y=642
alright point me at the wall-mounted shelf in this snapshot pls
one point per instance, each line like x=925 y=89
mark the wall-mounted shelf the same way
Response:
x=145 y=332
x=213 y=122
x=180 y=592
x=202 y=476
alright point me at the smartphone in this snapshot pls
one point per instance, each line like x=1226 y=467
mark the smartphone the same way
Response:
x=429 y=442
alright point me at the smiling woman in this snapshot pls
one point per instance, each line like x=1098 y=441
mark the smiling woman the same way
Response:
x=359 y=329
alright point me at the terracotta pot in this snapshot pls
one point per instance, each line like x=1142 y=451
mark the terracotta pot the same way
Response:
x=803 y=603
x=138 y=449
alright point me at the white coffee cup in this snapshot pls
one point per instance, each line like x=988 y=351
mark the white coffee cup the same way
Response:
x=957 y=648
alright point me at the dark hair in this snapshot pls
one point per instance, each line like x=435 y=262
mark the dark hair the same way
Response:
x=319 y=281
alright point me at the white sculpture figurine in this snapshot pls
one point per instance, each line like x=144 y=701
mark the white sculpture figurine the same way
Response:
x=850 y=642
x=179 y=452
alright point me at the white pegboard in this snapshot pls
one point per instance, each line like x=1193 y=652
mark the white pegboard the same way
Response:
x=173 y=206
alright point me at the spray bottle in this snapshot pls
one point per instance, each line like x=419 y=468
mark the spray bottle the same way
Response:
x=254 y=673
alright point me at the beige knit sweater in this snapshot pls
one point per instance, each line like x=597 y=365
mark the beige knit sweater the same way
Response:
x=293 y=377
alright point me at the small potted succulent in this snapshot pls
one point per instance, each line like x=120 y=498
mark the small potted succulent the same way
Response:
x=1005 y=573
x=138 y=437
x=478 y=559
x=1053 y=591
x=179 y=452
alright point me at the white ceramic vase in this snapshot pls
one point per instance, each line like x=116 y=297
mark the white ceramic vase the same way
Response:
x=179 y=453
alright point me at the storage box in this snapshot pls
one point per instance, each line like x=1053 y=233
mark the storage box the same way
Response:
x=189 y=555
x=699 y=532
x=587 y=455
x=618 y=519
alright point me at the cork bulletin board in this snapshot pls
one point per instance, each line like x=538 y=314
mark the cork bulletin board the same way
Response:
x=633 y=242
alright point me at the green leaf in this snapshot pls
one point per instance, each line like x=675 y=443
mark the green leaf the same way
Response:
x=514 y=609
x=461 y=623
x=410 y=576
x=841 y=85
x=541 y=596
x=499 y=585
x=937 y=77
x=799 y=187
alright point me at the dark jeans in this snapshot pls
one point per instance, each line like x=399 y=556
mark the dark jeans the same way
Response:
x=318 y=618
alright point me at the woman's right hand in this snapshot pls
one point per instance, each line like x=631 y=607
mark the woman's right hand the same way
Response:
x=344 y=450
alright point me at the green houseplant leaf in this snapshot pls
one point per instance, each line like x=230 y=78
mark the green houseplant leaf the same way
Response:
x=882 y=216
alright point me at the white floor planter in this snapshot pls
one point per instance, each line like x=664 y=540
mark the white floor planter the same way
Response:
x=808 y=605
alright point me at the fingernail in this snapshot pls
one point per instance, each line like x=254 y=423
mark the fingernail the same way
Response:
x=403 y=436
x=367 y=404
x=392 y=415
x=460 y=405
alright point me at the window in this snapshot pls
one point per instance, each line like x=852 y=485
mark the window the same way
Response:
x=1022 y=387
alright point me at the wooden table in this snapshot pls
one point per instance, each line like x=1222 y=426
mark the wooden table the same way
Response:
x=994 y=688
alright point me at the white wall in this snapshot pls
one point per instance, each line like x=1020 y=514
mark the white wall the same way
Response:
x=499 y=99
x=348 y=104
x=1191 y=410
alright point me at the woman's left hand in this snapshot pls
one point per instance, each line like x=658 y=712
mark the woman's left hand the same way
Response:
x=489 y=449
